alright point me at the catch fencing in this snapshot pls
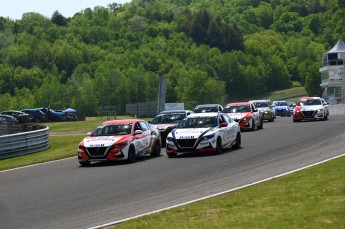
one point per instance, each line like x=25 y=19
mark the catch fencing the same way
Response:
x=35 y=138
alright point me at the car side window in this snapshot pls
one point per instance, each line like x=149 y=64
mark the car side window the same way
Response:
x=143 y=126
x=226 y=118
x=137 y=126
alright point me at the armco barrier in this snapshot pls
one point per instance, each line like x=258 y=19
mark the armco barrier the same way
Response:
x=13 y=145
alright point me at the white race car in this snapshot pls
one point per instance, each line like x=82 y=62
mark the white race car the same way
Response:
x=310 y=108
x=204 y=132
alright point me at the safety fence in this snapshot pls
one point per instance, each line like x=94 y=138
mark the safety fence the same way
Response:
x=35 y=138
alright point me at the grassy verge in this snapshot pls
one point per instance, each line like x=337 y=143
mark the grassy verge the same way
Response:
x=312 y=198
x=288 y=93
x=60 y=147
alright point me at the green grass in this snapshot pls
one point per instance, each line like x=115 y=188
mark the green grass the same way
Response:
x=292 y=94
x=312 y=198
x=60 y=147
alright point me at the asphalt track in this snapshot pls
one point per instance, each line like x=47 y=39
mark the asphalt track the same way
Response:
x=63 y=195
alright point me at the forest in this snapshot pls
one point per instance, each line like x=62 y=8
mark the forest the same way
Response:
x=209 y=51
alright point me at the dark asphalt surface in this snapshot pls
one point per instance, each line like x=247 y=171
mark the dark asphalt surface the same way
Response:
x=63 y=195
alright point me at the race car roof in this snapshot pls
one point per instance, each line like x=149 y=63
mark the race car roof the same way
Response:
x=307 y=98
x=209 y=114
x=237 y=103
x=123 y=121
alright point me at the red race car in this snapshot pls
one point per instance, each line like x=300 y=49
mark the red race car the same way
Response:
x=245 y=114
x=119 y=140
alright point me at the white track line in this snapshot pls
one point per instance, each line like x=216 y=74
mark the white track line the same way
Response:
x=213 y=195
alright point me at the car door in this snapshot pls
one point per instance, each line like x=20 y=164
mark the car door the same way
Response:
x=139 y=138
x=229 y=131
x=256 y=115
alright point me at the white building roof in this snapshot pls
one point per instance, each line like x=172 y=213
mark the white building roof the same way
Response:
x=339 y=47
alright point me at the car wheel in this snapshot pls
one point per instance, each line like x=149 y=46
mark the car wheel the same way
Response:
x=156 y=150
x=295 y=120
x=84 y=163
x=253 y=124
x=131 y=155
x=325 y=117
x=261 y=125
x=238 y=141
x=219 y=146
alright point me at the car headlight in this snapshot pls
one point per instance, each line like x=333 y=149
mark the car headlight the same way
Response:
x=81 y=147
x=119 y=145
x=320 y=110
x=170 y=139
x=209 y=136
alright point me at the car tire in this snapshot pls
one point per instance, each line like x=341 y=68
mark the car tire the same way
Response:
x=295 y=120
x=219 y=146
x=237 y=141
x=131 y=155
x=84 y=163
x=261 y=125
x=253 y=124
x=156 y=150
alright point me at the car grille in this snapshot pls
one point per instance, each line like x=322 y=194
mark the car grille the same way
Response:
x=308 y=114
x=280 y=112
x=97 y=151
x=186 y=143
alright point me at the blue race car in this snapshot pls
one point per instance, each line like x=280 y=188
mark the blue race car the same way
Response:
x=281 y=108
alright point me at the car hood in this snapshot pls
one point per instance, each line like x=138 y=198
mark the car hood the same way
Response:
x=102 y=141
x=263 y=109
x=309 y=108
x=238 y=115
x=191 y=133
x=282 y=107
x=164 y=126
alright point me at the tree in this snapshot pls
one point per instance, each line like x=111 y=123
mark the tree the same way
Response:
x=58 y=19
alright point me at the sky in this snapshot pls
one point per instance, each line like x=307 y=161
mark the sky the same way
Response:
x=14 y=9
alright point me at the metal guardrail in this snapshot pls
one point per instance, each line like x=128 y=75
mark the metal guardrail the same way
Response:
x=32 y=141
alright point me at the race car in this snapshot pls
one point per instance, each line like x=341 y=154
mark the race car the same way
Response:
x=202 y=108
x=281 y=108
x=119 y=140
x=310 y=108
x=264 y=108
x=245 y=114
x=165 y=121
x=204 y=132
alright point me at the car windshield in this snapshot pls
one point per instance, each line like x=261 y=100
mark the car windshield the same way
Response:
x=237 y=109
x=206 y=109
x=261 y=104
x=168 y=118
x=112 y=129
x=310 y=102
x=198 y=122
x=280 y=103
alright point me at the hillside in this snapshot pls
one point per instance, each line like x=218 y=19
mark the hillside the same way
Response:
x=207 y=50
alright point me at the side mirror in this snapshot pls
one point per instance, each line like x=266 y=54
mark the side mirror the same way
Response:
x=223 y=124
x=255 y=110
x=138 y=132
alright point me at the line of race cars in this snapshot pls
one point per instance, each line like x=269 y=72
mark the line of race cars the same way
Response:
x=208 y=128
